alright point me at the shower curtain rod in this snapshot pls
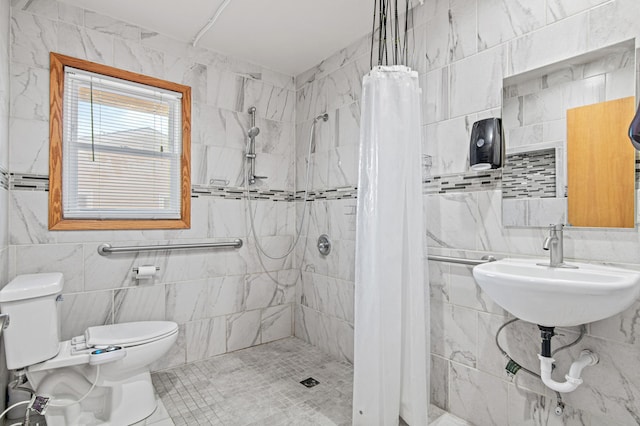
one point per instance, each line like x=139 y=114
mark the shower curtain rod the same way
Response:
x=461 y=260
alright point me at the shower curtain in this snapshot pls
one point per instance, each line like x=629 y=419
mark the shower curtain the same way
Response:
x=391 y=364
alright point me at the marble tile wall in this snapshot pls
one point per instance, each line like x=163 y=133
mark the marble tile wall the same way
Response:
x=463 y=50
x=222 y=300
x=4 y=167
x=4 y=138
x=325 y=290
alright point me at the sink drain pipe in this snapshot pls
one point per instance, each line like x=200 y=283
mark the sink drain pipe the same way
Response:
x=513 y=367
x=573 y=379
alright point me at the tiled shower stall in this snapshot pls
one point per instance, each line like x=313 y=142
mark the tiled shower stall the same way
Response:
x=224 y=300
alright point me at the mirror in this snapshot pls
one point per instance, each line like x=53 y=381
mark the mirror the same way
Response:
x=554 y=119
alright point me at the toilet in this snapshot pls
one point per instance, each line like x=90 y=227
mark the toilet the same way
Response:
x=99 y=378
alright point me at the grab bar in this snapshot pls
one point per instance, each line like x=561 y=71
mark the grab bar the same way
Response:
x=461 y=260
x=106 y=249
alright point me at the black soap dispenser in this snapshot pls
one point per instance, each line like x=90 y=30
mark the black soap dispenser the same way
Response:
x=486 y=147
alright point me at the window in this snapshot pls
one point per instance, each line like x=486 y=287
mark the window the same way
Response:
x=119 y=149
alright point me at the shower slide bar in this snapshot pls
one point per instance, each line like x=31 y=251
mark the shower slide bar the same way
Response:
x=461 y=260
x=106 y=249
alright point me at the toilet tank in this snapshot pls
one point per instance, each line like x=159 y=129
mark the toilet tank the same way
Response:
x=33 y=334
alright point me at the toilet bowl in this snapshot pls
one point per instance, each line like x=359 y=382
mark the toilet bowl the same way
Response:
x=123 y=392
x=99 y=378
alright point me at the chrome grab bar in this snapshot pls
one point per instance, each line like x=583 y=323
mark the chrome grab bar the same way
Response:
x=106 y=249
x=461 y=260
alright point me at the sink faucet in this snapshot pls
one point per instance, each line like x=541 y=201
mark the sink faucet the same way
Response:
x=553 y=243
x=554 y=230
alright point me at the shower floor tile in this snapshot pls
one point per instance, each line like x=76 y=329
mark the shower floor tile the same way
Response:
x=261 y=386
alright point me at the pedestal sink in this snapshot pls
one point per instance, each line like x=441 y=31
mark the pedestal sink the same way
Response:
x=558 y=297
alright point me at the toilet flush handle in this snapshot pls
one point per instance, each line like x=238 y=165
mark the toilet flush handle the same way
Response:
x=4 y=321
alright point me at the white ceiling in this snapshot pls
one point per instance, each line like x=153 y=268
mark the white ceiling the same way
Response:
x=289 y=36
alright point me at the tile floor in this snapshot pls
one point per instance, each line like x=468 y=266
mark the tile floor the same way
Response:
x=261 y=386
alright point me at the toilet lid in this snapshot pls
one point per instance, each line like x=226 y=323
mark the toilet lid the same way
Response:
x=129 y=333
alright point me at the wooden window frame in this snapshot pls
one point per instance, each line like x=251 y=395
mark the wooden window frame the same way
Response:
x=56 y=95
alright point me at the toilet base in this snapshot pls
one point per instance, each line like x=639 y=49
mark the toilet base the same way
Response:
x=124 y=402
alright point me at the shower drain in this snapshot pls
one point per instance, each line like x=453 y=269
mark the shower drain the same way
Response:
x=310 y=382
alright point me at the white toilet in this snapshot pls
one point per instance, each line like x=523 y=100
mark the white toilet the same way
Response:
x=114 y=357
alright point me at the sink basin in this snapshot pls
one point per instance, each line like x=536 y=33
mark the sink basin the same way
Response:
x=557 y=297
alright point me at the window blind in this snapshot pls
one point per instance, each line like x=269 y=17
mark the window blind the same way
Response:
x=121 y=149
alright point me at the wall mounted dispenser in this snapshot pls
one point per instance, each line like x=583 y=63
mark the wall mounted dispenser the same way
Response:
x=486 y=147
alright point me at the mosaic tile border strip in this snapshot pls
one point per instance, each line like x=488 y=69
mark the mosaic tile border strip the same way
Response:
x=530 y=175
x=486 y=180
x=468 y=182
x=4 y=178
x=28 y=182
x=238 y=193
x=339 y=193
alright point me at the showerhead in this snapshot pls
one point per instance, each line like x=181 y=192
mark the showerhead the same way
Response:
x=324 y=117
x=253 y=132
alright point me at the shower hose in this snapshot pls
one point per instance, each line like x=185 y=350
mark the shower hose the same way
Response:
x=259 y=247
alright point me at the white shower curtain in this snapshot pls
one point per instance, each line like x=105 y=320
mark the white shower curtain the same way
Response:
x=391 y=367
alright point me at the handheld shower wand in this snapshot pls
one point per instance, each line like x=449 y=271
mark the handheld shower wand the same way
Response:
x=305 y=201
x=251 y=153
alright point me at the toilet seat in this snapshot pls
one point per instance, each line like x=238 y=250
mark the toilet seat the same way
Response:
x=129 y=333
